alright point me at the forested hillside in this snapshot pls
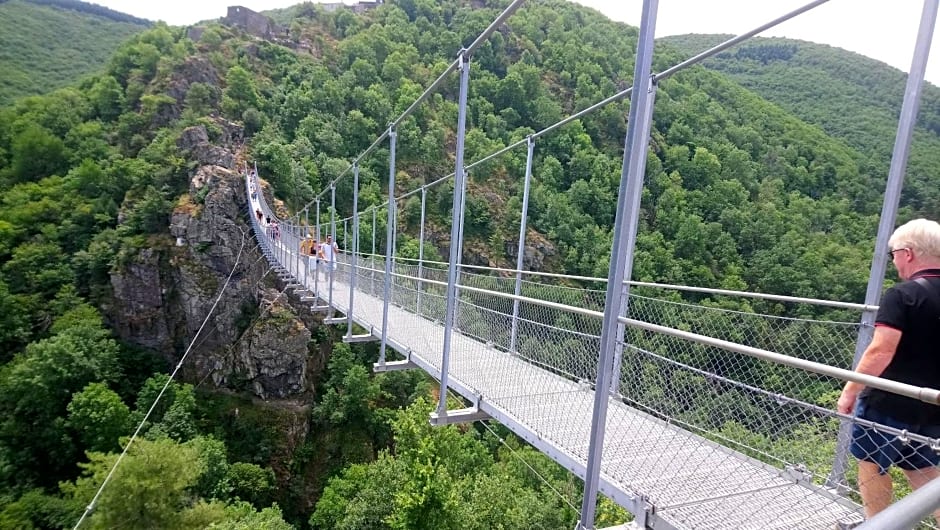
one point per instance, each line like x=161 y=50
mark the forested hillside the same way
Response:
x=849 y=96
x=49 y=44
x=107 y=182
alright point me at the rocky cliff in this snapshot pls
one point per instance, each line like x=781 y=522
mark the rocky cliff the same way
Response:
x=255 y=338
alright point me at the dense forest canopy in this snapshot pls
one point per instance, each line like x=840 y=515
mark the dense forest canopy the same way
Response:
x=740 y=193
x=851 y=97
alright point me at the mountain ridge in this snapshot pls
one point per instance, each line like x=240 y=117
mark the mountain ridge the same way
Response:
x=49 y=44
x=848 y=95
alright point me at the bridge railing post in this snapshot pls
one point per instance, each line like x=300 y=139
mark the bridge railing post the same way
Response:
x=889 y=211
x=389 y=242
x=292 y=248
x=625 y=286
x=455 y=231
x=316 y=268
x=284 y=236
x=310 y=250
x=393 y=289
x=296 y=247
x=372 y=267
x=289 y=245
x=624 y=243
x=353 y=257
x=420 y=284
x=283 y=232
x=463 y=212
x=279 y=246
x=520 y=251
x=345 y=236
x=331 y=266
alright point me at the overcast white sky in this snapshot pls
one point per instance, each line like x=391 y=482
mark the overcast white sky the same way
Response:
x=884 y=30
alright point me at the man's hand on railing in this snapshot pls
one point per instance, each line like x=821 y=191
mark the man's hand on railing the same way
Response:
x=846 y=403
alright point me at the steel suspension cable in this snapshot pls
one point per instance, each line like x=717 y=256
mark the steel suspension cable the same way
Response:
x=526 y=464
x=94 y=500
x=516 y=455
x=453 y=66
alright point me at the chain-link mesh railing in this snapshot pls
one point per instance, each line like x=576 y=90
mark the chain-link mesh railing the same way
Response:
x=712 y=438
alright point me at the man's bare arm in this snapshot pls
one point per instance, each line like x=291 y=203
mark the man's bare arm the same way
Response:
x=876 y=358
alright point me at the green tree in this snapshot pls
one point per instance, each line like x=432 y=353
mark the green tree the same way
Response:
x=241 y=516
x=433 y=458
x=157 y=485
x=35 y=390
x=14 y=323
x=211 y=38
x=150 y=489
x=37 y=509
x=251 y=483
x=213 y=482
x=199 y=99
x=349 y=404
x=358 y=498
x=173 y=415
x=99 y=417
x=36 y=153
x=240 y=93
x=107 y=97
x=150 y=213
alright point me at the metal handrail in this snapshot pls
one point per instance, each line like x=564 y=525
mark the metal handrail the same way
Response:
x=909 y=511
x=927 y=395
x=667 y=286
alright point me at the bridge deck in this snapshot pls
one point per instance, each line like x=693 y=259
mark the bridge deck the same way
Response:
x=691 y=481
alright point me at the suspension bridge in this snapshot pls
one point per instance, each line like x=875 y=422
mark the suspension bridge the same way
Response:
x=662 y=405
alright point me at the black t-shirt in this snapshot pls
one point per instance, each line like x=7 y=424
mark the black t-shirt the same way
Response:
x=914 y=310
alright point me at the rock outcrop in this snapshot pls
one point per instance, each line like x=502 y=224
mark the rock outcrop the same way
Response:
x=537 y=250
x=253 y=339
x=271 y=356
x=195 y=142
x=138 y=312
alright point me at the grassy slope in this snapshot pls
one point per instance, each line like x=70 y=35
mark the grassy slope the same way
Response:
x=43 y=48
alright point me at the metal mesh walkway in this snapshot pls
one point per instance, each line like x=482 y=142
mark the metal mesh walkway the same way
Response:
x=692 y=482
x=706 y=415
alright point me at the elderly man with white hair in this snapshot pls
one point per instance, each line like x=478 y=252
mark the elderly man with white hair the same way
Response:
x=905 y=348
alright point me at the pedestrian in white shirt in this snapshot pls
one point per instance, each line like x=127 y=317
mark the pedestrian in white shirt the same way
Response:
x=329 y=252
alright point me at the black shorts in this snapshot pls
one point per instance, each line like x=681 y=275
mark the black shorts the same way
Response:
x=885 y=449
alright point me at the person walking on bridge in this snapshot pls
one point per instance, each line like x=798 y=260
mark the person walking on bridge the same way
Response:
x=904 y=348
x=310 y=248
x=328 y=252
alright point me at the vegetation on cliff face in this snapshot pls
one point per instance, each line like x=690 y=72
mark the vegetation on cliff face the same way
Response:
x=46 y=45
x=740 y=194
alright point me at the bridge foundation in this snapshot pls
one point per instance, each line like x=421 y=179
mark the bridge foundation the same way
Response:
x=450 y=417
x=365 y=337
x=393 y=366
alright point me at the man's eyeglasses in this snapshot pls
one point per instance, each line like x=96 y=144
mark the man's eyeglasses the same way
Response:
x=891 y=252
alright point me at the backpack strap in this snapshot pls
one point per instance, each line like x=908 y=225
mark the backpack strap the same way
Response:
x=935 y=294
